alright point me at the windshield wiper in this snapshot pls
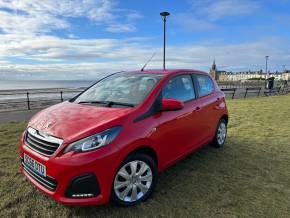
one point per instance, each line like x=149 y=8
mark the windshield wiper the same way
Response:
x=110 y=103
x=93 y=102
x=107 y=103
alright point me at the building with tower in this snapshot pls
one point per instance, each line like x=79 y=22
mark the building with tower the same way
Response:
x=219 y=75
x=215 y=73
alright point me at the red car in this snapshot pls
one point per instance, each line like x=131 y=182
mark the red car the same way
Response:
x=112 y=140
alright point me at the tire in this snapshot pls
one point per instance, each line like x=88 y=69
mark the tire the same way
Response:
x=221 y=134
x=128 y=190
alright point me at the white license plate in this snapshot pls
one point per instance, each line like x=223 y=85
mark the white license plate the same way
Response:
x=35 y=165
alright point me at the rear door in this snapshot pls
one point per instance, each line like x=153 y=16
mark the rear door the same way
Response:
x=207 y=101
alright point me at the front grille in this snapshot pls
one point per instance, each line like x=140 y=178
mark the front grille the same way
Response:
x=41 y=143
x=47 y=182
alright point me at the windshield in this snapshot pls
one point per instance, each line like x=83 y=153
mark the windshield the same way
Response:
x=126 y=89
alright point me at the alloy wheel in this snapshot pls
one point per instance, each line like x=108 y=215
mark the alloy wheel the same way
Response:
x=221 y=133
x=133 y=181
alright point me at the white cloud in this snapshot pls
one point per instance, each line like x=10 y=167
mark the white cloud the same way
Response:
x=27 y=28
x=72 y=36
x=215 y=10
x=116 y=55
x=51 y=48
x=218 y=9
x=189 y=23
x=26 y=24
x=118 y=28
x=203 y=14
x=34 y=16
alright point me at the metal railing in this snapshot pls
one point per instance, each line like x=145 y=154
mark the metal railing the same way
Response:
x=241 y=84
x=32 y=99
x=38 y=99
x=246 y=84
x=255 y=91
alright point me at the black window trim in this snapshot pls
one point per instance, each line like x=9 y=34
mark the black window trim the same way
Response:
x=155 y=108
x=194 y=76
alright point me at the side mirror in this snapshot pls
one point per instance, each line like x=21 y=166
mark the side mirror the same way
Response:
x=169 y=104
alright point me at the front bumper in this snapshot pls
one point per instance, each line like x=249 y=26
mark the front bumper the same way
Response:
x=62 y=171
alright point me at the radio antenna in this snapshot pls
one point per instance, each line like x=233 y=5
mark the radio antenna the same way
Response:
x=142 y=69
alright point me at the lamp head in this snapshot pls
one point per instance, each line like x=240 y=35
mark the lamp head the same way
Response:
x=164 y=14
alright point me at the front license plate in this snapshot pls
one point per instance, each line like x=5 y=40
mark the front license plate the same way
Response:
x=35 y=165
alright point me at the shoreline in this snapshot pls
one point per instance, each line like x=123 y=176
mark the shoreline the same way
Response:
x=16 y=100
x=41 y=89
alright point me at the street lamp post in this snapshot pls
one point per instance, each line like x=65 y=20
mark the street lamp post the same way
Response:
x=164 y=16
x=266 y=75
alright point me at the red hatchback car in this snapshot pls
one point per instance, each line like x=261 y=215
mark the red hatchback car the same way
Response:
x=112 y=140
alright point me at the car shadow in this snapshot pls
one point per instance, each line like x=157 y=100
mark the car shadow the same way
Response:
x=187 y=180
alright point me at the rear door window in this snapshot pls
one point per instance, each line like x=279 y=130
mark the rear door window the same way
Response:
x=205 y=85
x=180 y=88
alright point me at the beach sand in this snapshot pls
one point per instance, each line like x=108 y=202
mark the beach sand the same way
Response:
x=16 y=100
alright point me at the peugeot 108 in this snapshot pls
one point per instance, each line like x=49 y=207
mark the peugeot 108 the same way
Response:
x=112 y=140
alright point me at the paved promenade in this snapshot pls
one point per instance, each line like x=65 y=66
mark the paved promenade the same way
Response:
x=25 y=115
x=16 y=116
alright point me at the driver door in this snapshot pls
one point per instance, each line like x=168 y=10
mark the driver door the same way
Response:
x=176 y=130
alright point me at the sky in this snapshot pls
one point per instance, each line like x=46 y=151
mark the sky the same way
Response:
x=81 y=39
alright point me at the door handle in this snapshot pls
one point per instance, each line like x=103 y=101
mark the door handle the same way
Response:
x=197 y=108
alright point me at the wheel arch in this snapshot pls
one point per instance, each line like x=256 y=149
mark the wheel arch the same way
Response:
x=225 y=117
x=145 y=149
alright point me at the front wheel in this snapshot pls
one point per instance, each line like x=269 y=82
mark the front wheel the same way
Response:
x=134 y=180
x=221 y=134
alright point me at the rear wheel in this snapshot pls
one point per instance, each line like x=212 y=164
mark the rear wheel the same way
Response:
x=221 y=134
x=134 y=180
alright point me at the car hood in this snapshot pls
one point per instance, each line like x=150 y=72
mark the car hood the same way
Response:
x=70 y=121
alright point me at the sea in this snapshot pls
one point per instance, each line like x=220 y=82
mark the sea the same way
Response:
x=7 y=85
x=15 y=89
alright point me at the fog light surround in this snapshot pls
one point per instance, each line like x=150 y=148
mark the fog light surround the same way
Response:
x=84 y=186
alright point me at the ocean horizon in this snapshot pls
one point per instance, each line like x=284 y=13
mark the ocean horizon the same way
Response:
x=6 y=85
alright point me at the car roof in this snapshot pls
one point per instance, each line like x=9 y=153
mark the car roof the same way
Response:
x=169 y=71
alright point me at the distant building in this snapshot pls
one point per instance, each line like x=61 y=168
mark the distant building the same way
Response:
x=215 y=73
x=245 y=75
x=242 y=75
x=286 y=75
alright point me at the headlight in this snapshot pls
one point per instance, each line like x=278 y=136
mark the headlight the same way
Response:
x=95 y=141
